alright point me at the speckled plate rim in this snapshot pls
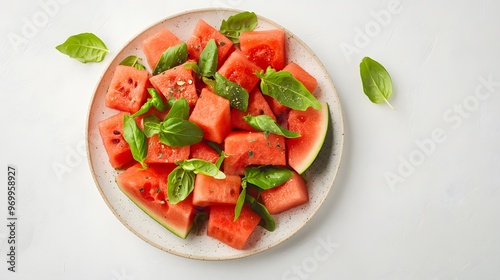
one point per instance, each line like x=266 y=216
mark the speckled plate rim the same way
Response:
x=329 y=156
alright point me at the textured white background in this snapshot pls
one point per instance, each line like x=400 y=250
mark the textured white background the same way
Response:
x=440 y=221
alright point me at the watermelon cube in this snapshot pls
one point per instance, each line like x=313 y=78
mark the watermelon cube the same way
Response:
x=176 y=82
x=239 y=69
x=154 y=46
x=233 y=233
x=209 y=191
x=212 y=113
x=290 y=194
x=162 y=153
x=118 y=150
x=202 y=33
x=252 y=148
x=147 y=188
x=264 y=47
x=127 y=89
x=203 y=151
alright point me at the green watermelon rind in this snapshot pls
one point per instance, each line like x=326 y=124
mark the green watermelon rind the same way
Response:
x=155 y=217
x=317 y=145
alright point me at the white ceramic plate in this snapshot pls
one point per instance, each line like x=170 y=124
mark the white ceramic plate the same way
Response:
x=320 y=176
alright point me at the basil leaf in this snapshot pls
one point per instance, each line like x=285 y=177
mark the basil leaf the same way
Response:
x=239 y=204
x=173 y=56
x=179 y=109
x=135 y=138
x=267 y=177
x=236 y=24
x=236 y=94
x=193 y=66
x=267 y=221
x=84 y=47
x=180 y=184
x=133 y=61
x=208 y=59
x=177 y=132
x=215 y=146
x=199 y=166
x=377 y=83
x=287 y=90
x=156 y=100
x=219 y=161
x=266 y=124
x=151 y=124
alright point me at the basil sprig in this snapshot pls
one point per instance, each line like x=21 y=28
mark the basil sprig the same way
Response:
x=263 y=177
x=84 y=47
x=377 y=83
x=181 y=180
x=136 y=139
x=287 y=90
x=173 y=56
x=238 y=23
x=175 y=130
x=208 y=59
x=267 y=125
x=133 y=61
x=154 y=101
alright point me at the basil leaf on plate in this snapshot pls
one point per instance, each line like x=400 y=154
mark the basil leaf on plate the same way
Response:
x=240 y=202
x=179 y=185
x=267 y=221
x=238 y=23
x=154 y=101
x=267 y=125
x=179 y=109
x=199 y=219
x=268 y=176
x=208 y=59
x=377 y=83
x=176 y=132
x=236 y=94
x=135 y=138
x=151 y=124
x=133 y=61
x=84 y=47
x=173 y=56
x=199 y=166
x=287 y=90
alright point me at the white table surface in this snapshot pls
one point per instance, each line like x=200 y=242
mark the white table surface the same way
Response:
x=417 y=195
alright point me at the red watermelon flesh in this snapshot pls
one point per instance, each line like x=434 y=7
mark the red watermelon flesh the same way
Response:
x=202 y=33
x=147 y=189
x=127 y=89
x=176 y=82
x=118 y=150
x=209 y=191
x=264 y=47
x=233 y=233
x=312 y=125
x=286 y=196
x=154 y=46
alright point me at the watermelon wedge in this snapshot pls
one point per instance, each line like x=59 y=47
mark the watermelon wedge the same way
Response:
x=312 y=126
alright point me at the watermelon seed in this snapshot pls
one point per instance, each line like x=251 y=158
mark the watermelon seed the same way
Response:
x=115 y=141
x=180 y=83
x=141 y=190
x=116 y=132
x=130 y=80
x=250 y=153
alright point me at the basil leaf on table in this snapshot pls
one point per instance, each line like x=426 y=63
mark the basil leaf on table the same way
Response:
x=173 y=56
x=135 y=138
x=176 y=132
x=236 y=24
x=84 y=47
x=208 y=59
x=179 y=185
x=377 y=83
x=133 y=61
x=267 y=125
x=267 y=177
x=287 y=90
x=236 y=94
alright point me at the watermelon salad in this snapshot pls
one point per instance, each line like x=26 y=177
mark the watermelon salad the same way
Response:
x=215 y=131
